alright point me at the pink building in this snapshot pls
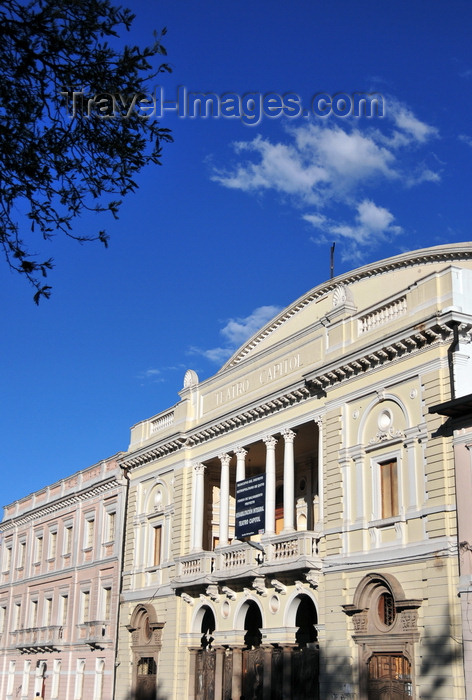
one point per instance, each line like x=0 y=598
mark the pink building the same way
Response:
x=60 y=560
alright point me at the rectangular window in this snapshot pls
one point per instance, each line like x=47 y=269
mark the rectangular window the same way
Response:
x=38 y=550
x=68 y=539
x=3 y=617
x=85 y=606
x=8 y=556
x=52 y=544
x=106 y=603
x=389 y=488
x=17 y=616
x=47 y=612
x=33 y=622
x=111 y=527
x=22 y=555
x=64 y=608
x=89 y=533
x=157 y=544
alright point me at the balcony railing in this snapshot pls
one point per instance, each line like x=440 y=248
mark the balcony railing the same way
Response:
x=296 y=550
x=199 y=565
x=36 y=639
x=94 y=632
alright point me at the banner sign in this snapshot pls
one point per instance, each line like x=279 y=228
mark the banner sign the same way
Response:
x=250 y=506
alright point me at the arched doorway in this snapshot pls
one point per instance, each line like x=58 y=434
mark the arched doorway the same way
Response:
x=206 y=660
x=305 y=658
x=145 y=644
x=253 y=657
x=385 y=625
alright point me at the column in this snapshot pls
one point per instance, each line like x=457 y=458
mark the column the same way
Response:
x=219 y=664
x=319 y=424
x=267 y=682
x=224 y=499
x=198 y=507
x=270 y=443
x=237 y=675
x=192 y=673
x=240 y=453
x=287 y=672
x=289 y=481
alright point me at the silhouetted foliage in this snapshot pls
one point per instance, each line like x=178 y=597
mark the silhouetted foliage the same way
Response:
x=54 y=166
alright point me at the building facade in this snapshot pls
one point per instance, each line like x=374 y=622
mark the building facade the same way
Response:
x=59 y=590
x=349 y=588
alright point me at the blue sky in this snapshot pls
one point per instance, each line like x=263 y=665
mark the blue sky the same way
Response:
x=239 y=219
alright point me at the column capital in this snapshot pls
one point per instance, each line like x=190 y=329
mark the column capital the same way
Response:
x=224 y=458
x=240 y=452
x=289 y=435
x=199 y=468
x=270 y=442
x=319 y=421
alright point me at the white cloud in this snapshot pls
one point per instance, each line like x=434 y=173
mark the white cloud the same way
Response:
x=411 y=128
x=281 y=167
x=466 y=139
x=373 y=224
x=152 y=375
x=321 y=165
x=236 y=331
x=217 y=355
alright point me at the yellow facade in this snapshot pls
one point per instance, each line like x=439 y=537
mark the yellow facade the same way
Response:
x=351 y=590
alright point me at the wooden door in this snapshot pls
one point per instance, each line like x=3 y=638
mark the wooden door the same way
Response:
x=389 y=677
x=205 y=675
x=253 y=674
x=146 y=679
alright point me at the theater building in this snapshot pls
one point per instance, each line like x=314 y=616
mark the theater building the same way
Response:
x=60 y=559
x=349 y=586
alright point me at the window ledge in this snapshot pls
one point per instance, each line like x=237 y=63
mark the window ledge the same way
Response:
x=385 y=522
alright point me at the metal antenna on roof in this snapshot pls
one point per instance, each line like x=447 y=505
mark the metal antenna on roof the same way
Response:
x=332 y=261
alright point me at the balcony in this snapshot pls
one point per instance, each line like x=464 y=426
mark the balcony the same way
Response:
x=35 y=640
x=276 y=554
x=197 y=567
x=94 y=633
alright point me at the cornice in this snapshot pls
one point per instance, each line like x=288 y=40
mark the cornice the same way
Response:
x=447 y=254
x=383 y=353
x=65 y=502
x=315 y=383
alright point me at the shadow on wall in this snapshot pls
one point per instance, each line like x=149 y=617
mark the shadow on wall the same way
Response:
x=154 y=694
x=438 y=653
